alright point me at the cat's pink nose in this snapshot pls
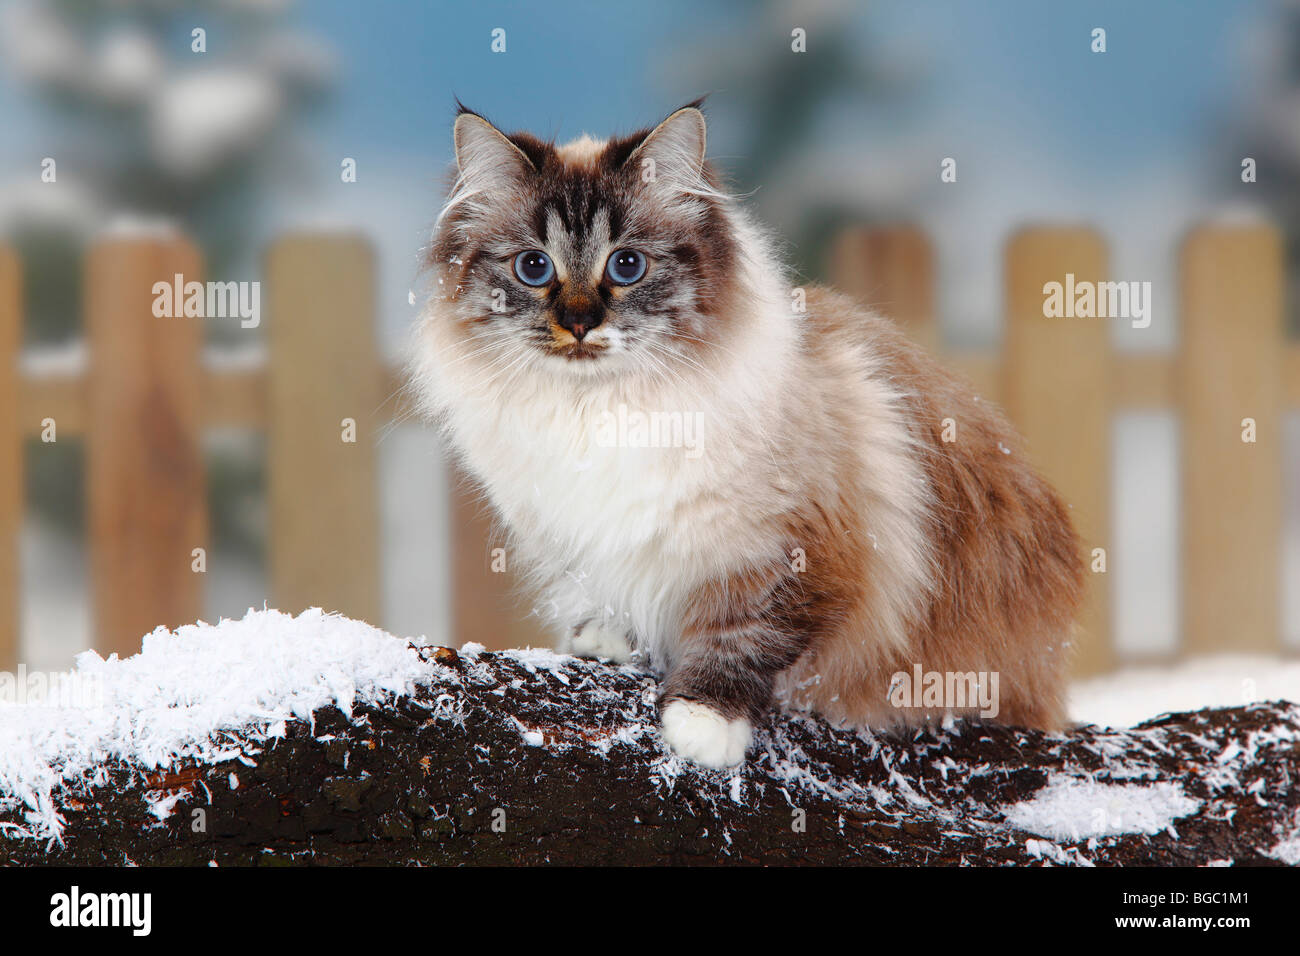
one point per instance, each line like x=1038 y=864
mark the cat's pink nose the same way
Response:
x=580 y=322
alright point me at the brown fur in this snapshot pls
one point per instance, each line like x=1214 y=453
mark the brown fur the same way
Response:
x=1008 y=572
x=1009 y=575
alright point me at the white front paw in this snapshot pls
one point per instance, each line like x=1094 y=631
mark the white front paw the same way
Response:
x=699 y=733
x=597 y=639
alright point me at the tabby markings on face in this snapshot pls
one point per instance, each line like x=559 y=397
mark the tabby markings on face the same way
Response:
x=587 y=253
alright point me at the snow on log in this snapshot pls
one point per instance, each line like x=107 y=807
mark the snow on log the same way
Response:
x=316 y=739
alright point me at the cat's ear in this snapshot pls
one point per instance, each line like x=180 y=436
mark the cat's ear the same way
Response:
x=672 y=154
x=485 y=157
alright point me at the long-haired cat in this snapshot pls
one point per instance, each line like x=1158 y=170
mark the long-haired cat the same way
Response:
x=820 y=537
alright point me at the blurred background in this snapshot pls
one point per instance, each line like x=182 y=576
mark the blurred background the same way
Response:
x=242 y=142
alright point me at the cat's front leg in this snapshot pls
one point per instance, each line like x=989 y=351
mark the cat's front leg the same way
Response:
x=597 y=637
x=720 y=682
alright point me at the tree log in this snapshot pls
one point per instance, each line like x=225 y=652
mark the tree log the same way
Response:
x=529 y=758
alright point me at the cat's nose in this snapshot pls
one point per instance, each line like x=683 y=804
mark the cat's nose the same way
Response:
x=582 y=320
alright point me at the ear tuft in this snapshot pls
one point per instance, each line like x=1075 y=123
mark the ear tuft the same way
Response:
x=484 y=155
x=672 y=154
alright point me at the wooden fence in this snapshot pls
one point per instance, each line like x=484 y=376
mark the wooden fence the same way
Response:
x=145 y=397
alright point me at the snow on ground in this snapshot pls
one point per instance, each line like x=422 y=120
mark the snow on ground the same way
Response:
x=1070 y=809
x=1131 y=696
x=179 y=697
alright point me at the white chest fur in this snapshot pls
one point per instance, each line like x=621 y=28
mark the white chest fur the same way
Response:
x=618 y=506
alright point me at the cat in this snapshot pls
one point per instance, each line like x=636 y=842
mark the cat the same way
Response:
x=818 y=542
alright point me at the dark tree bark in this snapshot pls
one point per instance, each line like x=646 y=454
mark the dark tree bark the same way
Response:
x=531 y=759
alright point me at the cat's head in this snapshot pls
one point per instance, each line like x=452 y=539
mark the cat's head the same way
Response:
x=591 y=257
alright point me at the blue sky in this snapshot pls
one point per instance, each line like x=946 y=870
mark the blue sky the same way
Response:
x=404 y=63
x=1168 y=63
x=574 y=64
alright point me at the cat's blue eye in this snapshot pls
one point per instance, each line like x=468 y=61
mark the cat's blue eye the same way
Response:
x=534 y=267
x=625 y=267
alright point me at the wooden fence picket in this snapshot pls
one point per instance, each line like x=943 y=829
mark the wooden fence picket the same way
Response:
x=324 y=369
x=146 y=490
x=1230 y=371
